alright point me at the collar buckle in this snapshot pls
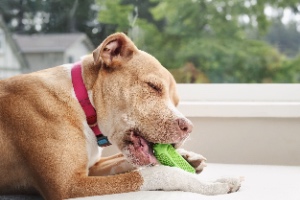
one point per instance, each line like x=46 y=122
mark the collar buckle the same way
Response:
x=103 y=141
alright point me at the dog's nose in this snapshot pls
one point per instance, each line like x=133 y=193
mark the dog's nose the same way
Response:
x=185 y=125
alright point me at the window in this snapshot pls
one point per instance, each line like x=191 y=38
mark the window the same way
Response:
x=240 y=100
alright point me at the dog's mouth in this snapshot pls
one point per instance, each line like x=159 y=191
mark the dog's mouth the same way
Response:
x=138 y=150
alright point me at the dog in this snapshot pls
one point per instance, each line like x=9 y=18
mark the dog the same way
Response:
x=53 y=121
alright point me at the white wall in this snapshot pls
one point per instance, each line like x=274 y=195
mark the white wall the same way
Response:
x=244 y=123
x=76 y=51
x=39 y=61
x=244 y=140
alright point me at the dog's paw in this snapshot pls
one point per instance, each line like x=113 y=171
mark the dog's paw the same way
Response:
x=234 y=184
x=196 y=160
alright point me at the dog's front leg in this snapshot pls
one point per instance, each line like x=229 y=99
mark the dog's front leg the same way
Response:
x=151 y=178
x=172 y=178
x=111 y=165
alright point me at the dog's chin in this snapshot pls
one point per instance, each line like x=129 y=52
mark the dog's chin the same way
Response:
x=138 y=150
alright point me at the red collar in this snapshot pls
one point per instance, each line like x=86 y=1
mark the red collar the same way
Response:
x=89 y=110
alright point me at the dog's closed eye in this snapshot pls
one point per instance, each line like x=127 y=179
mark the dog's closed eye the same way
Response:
x=155 y=87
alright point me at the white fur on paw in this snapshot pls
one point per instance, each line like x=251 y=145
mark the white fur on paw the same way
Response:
x=234 y=184
x=196 y=160
x=171 y=179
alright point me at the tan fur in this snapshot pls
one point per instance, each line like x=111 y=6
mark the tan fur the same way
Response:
x=116 y=164
x=43 y=143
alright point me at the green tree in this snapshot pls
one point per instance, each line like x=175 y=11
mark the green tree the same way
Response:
x=289 y=72
x=199 y=41
x=20 y=14
x=51 y=16
x=210 y=35
x=285 y=37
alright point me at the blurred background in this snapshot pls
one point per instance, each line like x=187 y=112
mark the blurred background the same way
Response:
x=199 y=41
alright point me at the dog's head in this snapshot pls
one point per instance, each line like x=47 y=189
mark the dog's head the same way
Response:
x=136 y=99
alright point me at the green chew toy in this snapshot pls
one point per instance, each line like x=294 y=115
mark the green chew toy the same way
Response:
x=167 y=155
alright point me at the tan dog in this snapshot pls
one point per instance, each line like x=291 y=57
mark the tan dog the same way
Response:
x=47 y=147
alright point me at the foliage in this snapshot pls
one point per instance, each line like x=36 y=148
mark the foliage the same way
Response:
x=289 y=72
x=115 y=14
x=210 y=36
x=197 y=40
x=50 y=16
x=285 y=37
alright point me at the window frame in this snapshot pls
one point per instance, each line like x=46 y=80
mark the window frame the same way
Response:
x=240 y=100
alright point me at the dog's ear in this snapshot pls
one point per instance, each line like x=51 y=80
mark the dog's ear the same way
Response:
x=114 y=50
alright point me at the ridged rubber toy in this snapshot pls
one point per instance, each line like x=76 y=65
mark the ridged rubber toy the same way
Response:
x=167 y=155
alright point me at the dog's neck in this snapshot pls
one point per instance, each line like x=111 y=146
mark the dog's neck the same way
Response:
x=90 y=71
x=81 y=92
